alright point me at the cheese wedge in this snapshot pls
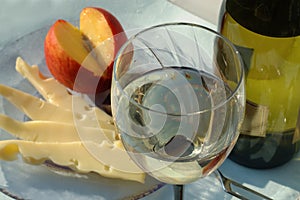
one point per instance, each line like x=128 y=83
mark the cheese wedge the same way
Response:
x=73 y=155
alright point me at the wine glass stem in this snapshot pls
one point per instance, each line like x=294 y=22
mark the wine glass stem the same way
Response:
x=178 y=192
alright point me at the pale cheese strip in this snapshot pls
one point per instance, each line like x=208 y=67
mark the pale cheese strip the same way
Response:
x=103 y=154
x=35 y=108
x=49 y=131
x=49 y=88
x=38 y=109
x=54 y=92
x=73 y=155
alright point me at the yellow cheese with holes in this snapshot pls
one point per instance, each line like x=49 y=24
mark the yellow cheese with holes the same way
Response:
x=73 y=155
x=49 y=131
x=64 y=129
x=38 y=109
x=56 y=93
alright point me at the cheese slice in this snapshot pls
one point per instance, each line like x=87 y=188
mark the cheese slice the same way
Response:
x=64 y=129
x=35 y=108
x=50 y=131
x=56 y=93
x=38 y=109
x=73 y=155
x=49 y=88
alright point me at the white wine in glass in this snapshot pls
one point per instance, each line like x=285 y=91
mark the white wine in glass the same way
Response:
x=178 y=100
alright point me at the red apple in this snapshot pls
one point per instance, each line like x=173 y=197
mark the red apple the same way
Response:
x=83 y=59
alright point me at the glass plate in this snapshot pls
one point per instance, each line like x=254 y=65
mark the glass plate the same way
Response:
x=23 y=181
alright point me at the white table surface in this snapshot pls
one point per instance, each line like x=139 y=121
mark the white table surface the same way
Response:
x=19 y=17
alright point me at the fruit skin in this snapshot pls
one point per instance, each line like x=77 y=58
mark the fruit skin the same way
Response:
x=92 y=75
x=59 y=63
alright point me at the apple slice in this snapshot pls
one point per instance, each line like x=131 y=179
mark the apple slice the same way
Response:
x=82 y=60
x=104 y=31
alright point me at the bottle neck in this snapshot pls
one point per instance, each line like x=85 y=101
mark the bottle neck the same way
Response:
x=275 y=18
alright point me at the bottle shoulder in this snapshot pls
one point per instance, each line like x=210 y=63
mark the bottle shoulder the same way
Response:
x=270 y=18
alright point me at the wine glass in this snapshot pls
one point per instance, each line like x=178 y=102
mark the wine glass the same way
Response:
x=178 y=100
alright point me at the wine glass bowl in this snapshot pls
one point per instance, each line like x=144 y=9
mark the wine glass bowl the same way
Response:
x=178 y=100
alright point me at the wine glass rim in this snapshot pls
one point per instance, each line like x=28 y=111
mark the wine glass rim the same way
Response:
x=227 y=41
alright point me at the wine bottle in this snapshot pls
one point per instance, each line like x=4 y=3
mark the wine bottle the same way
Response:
x=267 y=35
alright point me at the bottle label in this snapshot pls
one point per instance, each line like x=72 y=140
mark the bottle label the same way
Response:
x=256 y=116
x=255 y=120
x=296 y=137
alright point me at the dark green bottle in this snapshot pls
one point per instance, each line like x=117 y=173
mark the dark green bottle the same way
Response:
x=267 y=34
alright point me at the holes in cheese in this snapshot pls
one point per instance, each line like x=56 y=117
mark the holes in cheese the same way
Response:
x=50 y=131
x=54 y=92
x=83 y=139
x=71 y=154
